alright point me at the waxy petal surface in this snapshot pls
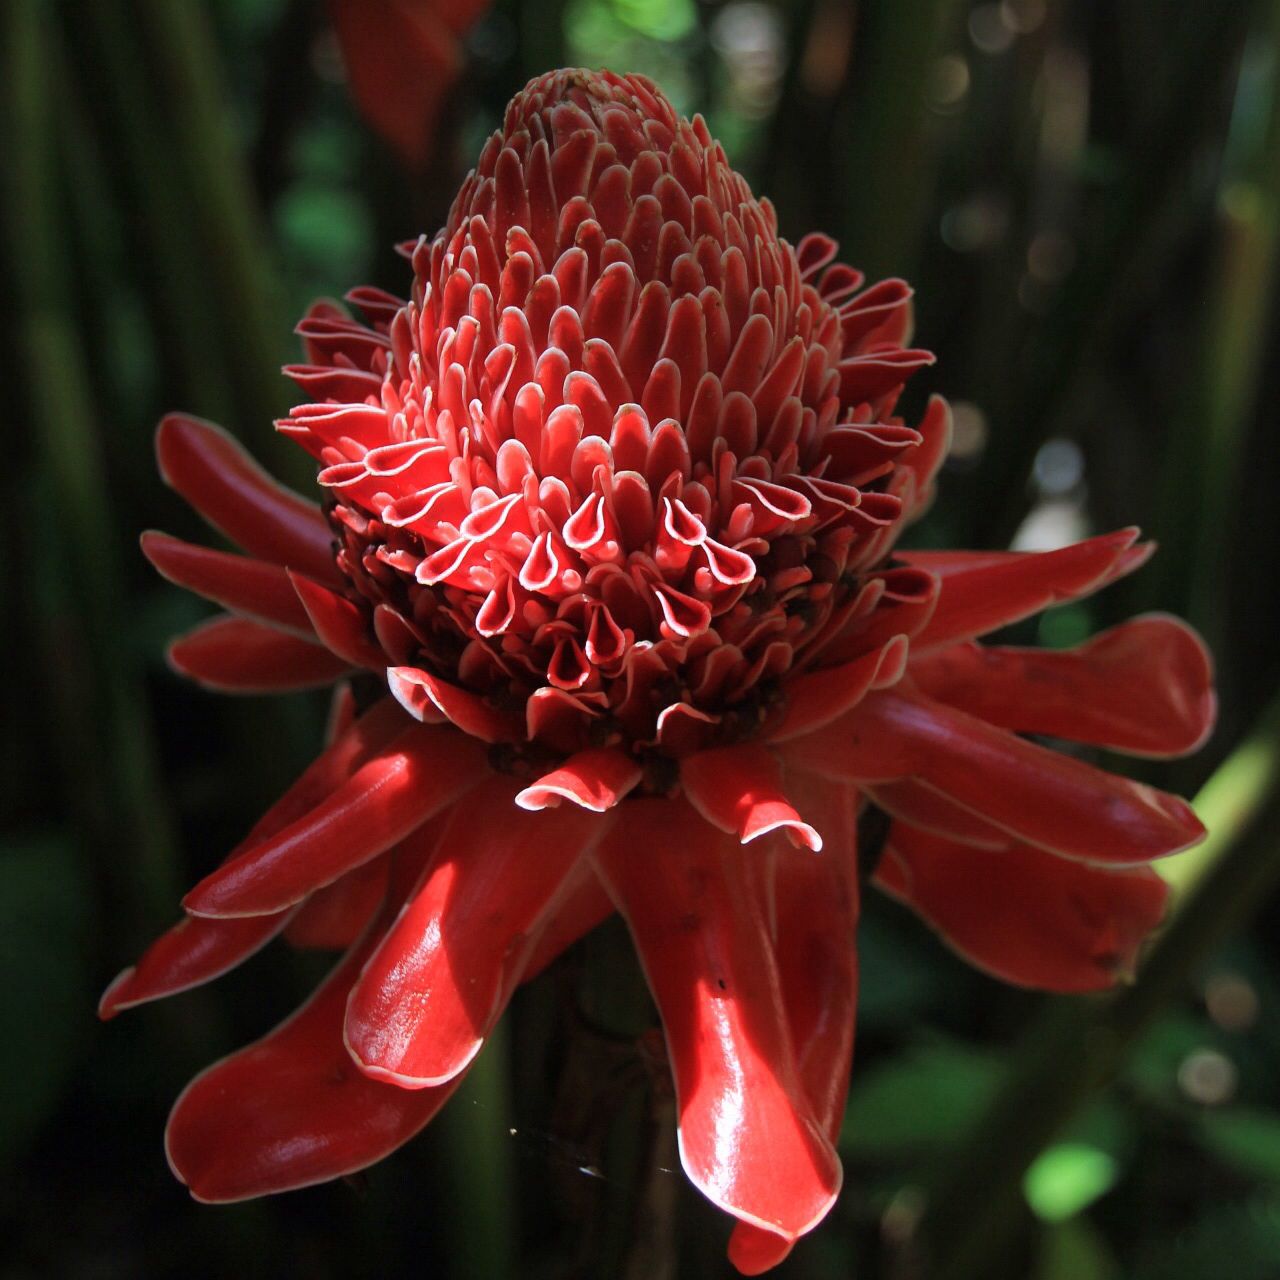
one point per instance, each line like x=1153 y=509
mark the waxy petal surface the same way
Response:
x=595 y=780
x=1144 y=687
x=1023 y=915
x=748 y=1137
x=235 y=655
x=739 y=790
x=440 y=978
x=415 y=776
x=291 y=1110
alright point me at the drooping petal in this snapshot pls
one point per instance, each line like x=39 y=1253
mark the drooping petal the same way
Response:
x=291 y=1110
x=597 y=780
x=197 y=950
x=418 y=774
x=919 y=804
x=235 y=495
x=1023 y=915
x=818 y=697
x=1043 y=797
x=739 y=790
x=1144 y=687
x=255 y=588
x=815 y=906
x=748 y=1136
x=332 y=918
x=234 y=655
x=585 y=904
x=438 y=981
x=995 y=591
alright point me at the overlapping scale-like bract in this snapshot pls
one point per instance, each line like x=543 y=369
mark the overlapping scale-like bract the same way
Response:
x=624 y=454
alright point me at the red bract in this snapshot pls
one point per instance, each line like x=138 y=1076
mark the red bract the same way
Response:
x=606 y=520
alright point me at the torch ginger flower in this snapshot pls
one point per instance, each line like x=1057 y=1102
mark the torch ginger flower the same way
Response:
x=607 y=510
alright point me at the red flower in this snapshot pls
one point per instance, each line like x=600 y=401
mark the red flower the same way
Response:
x=609 y=507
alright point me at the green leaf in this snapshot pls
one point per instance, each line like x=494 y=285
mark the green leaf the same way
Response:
x=44 y=1006
x=1068 y=1177
x=926 y=1097
x=1075 y=1250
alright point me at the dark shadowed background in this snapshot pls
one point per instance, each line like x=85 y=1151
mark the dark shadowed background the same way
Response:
x=1086 y=197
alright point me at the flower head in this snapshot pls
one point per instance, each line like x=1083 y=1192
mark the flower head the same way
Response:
x=608 y=507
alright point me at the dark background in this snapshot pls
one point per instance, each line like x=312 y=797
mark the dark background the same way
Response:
x=1087 y=199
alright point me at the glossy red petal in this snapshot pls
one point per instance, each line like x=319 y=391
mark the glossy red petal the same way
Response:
x=418 y=774
x=440 y=978
x=235 y=495
x=333 y=918
x=993 y=592
x=291 y=1110
x=1145 y=687
x=814 y=903
x=739 y=790
x=428 y=698
x=920 y=805
x=818 y=697
x=597 y=780
x=1046 y=798
x=339 y=625
x=1023 y=915
x=234 y=655
x=748 y=1136
x=254 y=588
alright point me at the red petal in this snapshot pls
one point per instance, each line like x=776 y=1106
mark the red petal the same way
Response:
x=440 y=978
x=585 y=905
x=1023 y=915
x=819 y=697
x=428 y=698
x=234 y=655
x=748 y=1137
x=332 y=918
x=815 y=904
x=1145 y=687
x=292 y=1109
x=739 y=790
x=341 y=626
x=415 y=776
x=595 y=779
x=252 y=587
x=923 y=807
x=1043 y=797
x=235 y=495
x=993 y=592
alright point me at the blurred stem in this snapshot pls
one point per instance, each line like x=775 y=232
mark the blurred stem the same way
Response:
x=135 y=134
x=884 y=166
x=1075 y=1047
x=1198 y=499
x=108 y=733
x=177 y=38
x=476 y=1130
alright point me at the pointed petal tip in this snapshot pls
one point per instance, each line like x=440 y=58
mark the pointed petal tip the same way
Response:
x=113 y=1000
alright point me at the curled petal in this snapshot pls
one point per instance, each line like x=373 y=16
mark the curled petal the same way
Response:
x=1045 y=798
x=234 y=655
x=595 y=780
x=440 y=978
x=255 y=588
x=235 y=495
x=748 y=1137
x=1023 y=915
x=995 y=590
x=739 y=790
x=291 y=1110
x=1145 y=687
x=428 y=698
x=416 y=775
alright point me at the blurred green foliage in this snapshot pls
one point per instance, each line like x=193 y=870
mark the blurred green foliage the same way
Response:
x=1085 y=196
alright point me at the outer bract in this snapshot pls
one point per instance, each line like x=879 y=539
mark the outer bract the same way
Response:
x=605 y=523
